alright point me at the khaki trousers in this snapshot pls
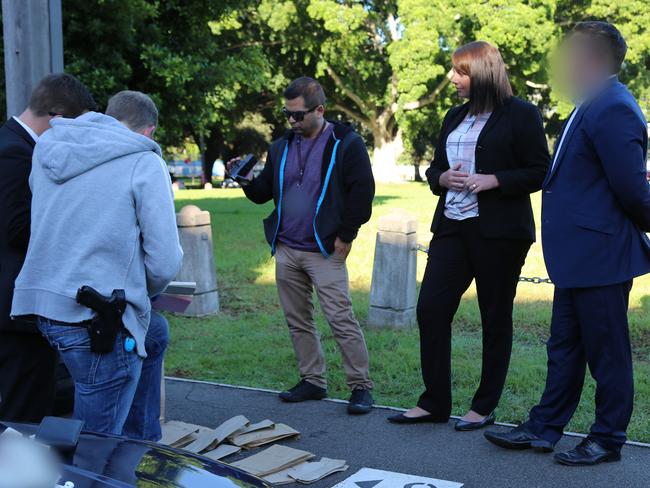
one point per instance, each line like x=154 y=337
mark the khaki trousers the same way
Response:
x=296 y=274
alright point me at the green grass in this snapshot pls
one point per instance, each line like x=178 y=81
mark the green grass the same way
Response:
x=248 y=342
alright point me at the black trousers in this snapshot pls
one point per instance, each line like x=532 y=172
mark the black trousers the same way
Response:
x=459 y=254
x=27 y=376
x=589 y=327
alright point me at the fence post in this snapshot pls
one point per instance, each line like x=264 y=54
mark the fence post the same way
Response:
x=195 y=234
x=393 y=290
x=33 y=47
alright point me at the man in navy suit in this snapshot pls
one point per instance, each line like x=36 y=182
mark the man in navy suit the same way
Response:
x=27 y=361
x=595 y=210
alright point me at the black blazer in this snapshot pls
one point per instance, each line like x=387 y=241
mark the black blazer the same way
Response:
x=16 y=148
x=512 y=146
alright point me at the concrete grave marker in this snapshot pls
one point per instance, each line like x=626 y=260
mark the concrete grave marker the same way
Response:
x=393 y=292
x=195 y=233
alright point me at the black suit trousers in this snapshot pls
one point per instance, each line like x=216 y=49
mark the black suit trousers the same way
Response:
x=589 y=328
x=27 y=387
x=459 y=254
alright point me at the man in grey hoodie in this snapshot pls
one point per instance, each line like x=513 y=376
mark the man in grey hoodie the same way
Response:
x=102 y=216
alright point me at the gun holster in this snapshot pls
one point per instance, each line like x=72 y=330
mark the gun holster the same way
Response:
x=107 y=322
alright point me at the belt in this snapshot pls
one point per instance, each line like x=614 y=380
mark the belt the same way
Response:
x=32 y=319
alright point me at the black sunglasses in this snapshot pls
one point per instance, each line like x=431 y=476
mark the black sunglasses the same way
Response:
x=298 y=115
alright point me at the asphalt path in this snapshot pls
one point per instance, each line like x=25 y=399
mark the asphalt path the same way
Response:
x=429 y=450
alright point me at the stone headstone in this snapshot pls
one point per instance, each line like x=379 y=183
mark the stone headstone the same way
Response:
x=195 y=232
x=393 y=289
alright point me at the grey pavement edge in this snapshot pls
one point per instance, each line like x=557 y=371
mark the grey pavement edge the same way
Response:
x=430 y=450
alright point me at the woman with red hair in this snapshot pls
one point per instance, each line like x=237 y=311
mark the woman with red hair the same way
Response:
x=490 y=156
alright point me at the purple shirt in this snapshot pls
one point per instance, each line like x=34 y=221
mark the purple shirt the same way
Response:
x=301 y=194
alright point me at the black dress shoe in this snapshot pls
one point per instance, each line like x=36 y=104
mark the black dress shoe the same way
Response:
x=587 y=453
x=361 y=402
x=464 y=425
x=302 y=392
x=519 y=438
x=423 y=419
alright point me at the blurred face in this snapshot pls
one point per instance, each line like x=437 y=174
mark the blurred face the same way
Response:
x=461 y=82
x=579 y=66
x=312 y=117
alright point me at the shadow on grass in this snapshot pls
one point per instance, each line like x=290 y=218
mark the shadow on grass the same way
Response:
x=248 y=343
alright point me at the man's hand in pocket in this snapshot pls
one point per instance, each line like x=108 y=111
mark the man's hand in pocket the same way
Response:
x=342 y=248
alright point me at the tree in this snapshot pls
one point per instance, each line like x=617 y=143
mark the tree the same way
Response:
x=385 y=64
x=523 y=31
x=182 y=53
x=216 y=68
x=631 y=18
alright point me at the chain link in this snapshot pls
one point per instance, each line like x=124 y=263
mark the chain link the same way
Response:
x=534 y=279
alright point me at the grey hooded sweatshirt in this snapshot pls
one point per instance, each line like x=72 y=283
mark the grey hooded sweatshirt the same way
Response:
x=102 y=215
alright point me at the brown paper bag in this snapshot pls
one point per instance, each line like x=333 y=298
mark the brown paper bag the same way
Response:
x=264 y=424
x=272 y=460
x=311 y=472
x=265 y=436
x=207 y=441
x=224 y=450
x=174 y=432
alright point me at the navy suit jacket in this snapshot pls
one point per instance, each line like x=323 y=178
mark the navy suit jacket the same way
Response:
x=16 y=148
x=596 y=199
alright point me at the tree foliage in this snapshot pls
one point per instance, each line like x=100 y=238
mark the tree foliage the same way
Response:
x=217 y=68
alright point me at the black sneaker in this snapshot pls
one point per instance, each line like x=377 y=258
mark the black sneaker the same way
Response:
x=303 y=391
x=360 y=402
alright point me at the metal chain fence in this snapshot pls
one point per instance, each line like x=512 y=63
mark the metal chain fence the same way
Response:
x=536 y=280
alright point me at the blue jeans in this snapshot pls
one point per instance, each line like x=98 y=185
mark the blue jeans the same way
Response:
x=143 y=421
x=117 y=392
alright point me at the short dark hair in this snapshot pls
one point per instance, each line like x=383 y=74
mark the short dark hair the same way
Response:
x=61 y=94
x=609 y=39
x=134 y=109
x=309 y=89
x=490 y=86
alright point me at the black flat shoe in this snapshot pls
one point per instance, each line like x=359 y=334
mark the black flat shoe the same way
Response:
x=587 y=453
x=465 y=426
x=519 y=438
x=403 y=419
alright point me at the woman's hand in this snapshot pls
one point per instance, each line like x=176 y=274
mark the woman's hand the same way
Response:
x=452 y=179
x=478 y=183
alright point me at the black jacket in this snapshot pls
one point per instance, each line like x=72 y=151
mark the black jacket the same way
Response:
x=512 y=146
x=347 y=190
x=16 y=148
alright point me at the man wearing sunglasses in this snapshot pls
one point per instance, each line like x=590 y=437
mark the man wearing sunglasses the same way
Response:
x=319 y=177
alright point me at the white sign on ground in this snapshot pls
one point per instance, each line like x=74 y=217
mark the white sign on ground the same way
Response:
x=376 y=478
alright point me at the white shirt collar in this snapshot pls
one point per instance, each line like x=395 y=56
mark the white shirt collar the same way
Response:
x=29 y=130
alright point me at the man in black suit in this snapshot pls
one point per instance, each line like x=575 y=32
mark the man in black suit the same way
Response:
x=27 y=362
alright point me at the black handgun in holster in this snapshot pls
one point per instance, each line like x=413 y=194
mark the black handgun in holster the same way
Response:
x=107 y=321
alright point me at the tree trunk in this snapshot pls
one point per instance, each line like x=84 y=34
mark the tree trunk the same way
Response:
x=384 y=159
x=211 y=149
x=204 y=173
x=416 y=171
